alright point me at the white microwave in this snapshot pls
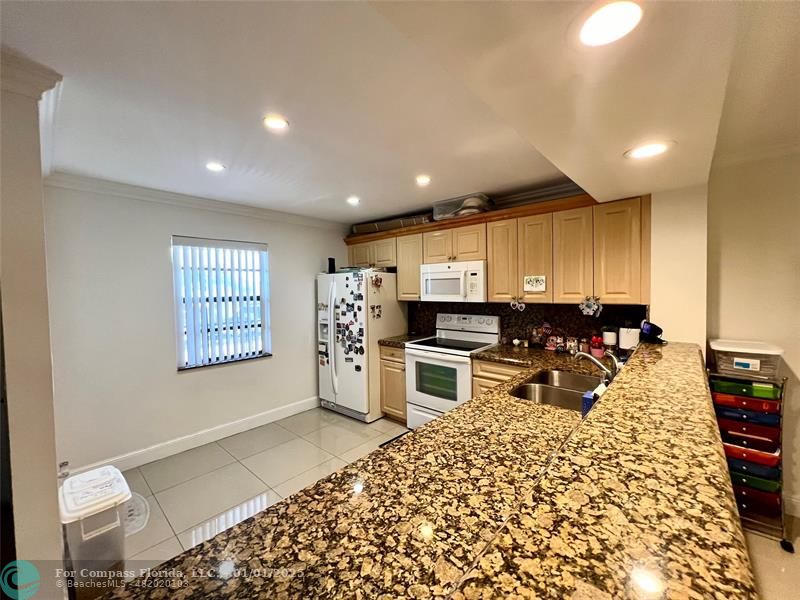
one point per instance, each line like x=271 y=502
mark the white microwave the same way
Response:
x=453 y=281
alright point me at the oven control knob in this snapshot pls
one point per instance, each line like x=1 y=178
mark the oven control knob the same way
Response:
x=448 y=318
x=489 y=321
x=480 y=321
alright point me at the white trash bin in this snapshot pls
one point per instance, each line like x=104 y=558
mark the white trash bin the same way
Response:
x=92 y=506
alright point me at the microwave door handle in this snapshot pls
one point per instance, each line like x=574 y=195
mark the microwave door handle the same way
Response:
x=464 y=284
x=332 y=335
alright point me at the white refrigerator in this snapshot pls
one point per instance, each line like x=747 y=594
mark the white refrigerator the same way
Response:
x=355 y=309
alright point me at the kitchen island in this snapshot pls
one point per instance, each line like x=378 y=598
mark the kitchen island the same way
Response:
x=501 y=498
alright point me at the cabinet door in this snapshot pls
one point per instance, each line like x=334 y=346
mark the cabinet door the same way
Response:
x=618 y=251
x=383 y=253
x=437 y=246
x=393 y=389
x=469 y=243
x=572 y=255
x=409 y=258
x=481 y=385
x=501 y=240
x=535 y=248
x=360 y=255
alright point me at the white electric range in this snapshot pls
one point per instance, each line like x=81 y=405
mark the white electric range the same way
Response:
x=439 y=368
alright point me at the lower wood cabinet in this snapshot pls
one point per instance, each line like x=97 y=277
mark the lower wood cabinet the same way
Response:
x=487 y=374
x=393 y=383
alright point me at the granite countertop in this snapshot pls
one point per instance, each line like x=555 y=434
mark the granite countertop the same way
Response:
x=399 y=341
x=471 y=506
x=526 y=357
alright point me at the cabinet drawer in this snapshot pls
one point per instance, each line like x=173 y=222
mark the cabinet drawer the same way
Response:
x=393 y=354
x=766 y=503
x=758 y=483
x=763 y=458
x=766 y=391
x=496 y=371
x=748 y=416
x=750 y=468
x=767 y=406
x=750 y=442
x=762 y=431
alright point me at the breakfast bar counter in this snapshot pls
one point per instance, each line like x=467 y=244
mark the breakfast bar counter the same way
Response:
x=503 y=497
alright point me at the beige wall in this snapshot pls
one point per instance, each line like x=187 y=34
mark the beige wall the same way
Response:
x=754 y=273
x=118 y=395
x=678 y=263
x=26 y=339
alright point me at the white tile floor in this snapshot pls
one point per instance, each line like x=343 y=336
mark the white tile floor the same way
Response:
x=777 y=572
x=195 y=494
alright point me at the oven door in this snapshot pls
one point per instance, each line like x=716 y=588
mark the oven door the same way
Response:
x=437 y=381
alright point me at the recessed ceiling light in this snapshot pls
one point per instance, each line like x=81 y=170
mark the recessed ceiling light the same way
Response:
x=610 y=22
x=215 y=167
x=423 y=180
x=276 y=122
x=648 y=150
x=353 y=200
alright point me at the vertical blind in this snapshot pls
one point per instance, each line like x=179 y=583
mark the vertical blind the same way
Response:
x=221 y=301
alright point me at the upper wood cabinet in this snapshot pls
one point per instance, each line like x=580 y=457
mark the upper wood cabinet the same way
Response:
x=360 y=255
x=460 y=243
x=572 y=255
x=469 y=243
x=381 y=253
x=618 y=252
x=409 y=258
x=535 y=255
x=502 y=277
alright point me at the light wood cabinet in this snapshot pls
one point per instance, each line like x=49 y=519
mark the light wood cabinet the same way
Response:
x=409 y=258
x=618 y=252
x=393 y=383
x=460 y=243
x=572 y=255
x=535 y=254
x=380 y=253
x=481 y=385
x=503 y=284
x=487 y=374
x=469 y=243
x=360 y=255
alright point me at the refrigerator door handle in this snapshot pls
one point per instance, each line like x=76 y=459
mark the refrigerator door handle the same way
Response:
x=332 y=341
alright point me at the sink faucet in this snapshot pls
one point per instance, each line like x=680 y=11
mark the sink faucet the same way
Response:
x=616 y=365
x=609 y=375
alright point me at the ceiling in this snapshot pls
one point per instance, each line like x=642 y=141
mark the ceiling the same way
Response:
x=482 y=96
x=761 y=114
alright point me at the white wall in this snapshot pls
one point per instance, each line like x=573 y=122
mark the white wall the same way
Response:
x=678 y=263
x=754 y=273
x=117 y=391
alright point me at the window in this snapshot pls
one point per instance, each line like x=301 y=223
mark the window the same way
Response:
x=221 y=301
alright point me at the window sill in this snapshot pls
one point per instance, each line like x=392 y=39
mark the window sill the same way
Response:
x=225 y=363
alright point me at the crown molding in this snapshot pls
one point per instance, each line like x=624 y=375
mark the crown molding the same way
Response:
x=48 y=107
x=24 y=76
x=763 y=153
x=81 y=183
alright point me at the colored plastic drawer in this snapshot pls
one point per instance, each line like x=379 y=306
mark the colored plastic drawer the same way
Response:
x=769 y=459
x=767 y=406
x=758 y=483
x=750 y=442
x=766 y=391
x=772 y=434
x=766 y=503
x=748 y=416
x=750 y=468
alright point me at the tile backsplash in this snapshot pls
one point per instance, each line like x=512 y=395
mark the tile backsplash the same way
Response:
x=565 y=319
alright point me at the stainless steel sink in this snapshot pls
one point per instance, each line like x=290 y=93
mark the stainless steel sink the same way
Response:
x=569 y=381
x=547 y=394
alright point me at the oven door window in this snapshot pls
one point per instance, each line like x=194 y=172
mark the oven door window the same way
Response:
x=437 y=380
x=443 y=285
